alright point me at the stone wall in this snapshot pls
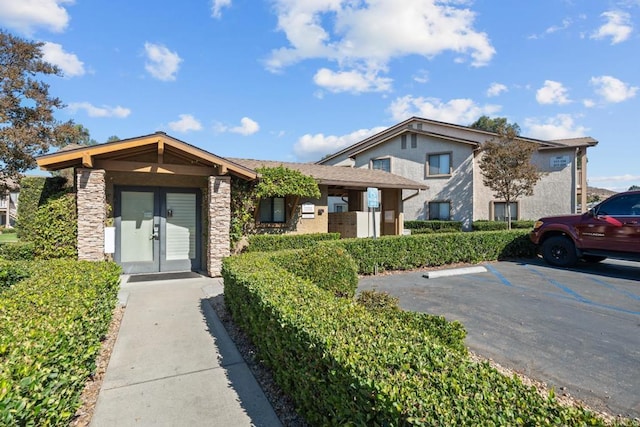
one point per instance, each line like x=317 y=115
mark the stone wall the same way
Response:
x=91 y=200
x=219 y=202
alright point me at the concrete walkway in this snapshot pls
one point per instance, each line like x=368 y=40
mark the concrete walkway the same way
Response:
x=173 y=363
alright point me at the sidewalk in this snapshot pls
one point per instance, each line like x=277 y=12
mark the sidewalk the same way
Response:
x=173 y=363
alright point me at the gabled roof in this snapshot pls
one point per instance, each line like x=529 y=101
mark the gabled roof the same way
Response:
x=448 y=131
x=156 y=152
x=338 y=176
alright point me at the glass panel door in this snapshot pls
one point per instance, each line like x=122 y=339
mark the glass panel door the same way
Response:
x=138 y=232
x=180 y=242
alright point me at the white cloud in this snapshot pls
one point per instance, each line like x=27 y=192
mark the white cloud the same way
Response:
x=104 y=111
x=422 y=76
x=459 y=111
x=496 y=89
x=217 y=6
x=247 y=127
x=589 y=103
x=26 y=16
x=351 y=81
x=69 y=63
x=618 y=27
x=613 y=90
x=313 y=147
x=161 y=62
x=186 y=123
x=615 y=182
x=559 y=127
x=552 y=93
x=366 y=36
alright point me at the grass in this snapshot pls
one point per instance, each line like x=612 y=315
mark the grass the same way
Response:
x=9 y=237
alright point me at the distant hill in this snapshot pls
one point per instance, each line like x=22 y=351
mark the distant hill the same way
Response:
x=602 y=193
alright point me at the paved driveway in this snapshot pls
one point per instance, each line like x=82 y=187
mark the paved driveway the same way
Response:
x=577 y=330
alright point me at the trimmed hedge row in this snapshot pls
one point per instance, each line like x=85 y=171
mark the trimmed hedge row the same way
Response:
x=278 y=242
x=52 y=324
x=343 y=364
x=424 y=250
x=416 y=226
x=14 y=251
x=483 y=225
x=332 y=269
x=12 y=272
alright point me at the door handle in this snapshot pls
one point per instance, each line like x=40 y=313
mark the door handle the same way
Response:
x=154 y=236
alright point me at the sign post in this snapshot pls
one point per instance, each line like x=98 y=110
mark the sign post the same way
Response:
x=373 y=203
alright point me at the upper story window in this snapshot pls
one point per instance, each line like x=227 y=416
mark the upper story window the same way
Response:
x=440 y=211
x=382 y=164
x=439 y=164
x=272 y=210
x=414 y=140
x=403 y=142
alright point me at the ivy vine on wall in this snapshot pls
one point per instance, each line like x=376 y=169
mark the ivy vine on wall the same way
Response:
x=272 y=182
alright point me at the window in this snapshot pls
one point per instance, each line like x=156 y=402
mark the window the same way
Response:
x=272 y=210
x=625 y=205
x=440 y=210
x=439 y=164
x=403 y=142
x=500 y=212
x=382 y=164
x=414 y=140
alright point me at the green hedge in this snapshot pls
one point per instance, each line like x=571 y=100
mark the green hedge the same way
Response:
x=418 y=226
x=332 y=269
x=56 y=223
x=484 y=225
x=345 y=365
x=12 y=272
x=52 y=324
x=34 y=192
x=14 y=251
x=410 y=252
x=278 y=242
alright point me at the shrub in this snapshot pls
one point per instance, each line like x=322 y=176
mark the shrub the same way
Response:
x=34 y=192
x=484 y=225
x=434 y=225
x=14 y=251
x=278 y=242
x=378 y=301
x=332 y=269
x=11 y=273
x=409 y=252
x=52 y=324
x=56 y=224
x=342 y=364
x=6 y=230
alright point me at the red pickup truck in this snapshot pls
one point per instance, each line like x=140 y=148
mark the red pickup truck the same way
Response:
x=611 y=229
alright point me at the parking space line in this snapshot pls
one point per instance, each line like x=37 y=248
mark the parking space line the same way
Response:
x=622 y=291
x=499 y=276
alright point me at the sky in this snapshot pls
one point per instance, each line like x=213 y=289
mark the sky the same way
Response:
x=295 y=80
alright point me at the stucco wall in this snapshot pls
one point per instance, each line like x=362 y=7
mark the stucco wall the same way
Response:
x=411 y=163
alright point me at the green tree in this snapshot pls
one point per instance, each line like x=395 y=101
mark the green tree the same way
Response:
x=497 y=125
x=27 y=124
x=113 y=138
x=507 y=169
x=634 y=187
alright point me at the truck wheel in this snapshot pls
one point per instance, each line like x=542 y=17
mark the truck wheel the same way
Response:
x=559 y=251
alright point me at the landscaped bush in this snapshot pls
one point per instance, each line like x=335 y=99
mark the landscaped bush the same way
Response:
x=34 y=192
x=484 y=225
x=6 y=230
x=409 y=252
x=417 y=226
x=378 y=301
x=12 y=272
x=56 y=223
x=330 y=268
x=52 y=324
x=278 y=242
x=343 y=364
x=14 y=251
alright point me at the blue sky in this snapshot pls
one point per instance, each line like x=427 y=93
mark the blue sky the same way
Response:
x=294 y=80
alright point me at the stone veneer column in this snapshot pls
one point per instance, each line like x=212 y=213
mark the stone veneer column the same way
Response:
x=219 y=202
x=91 y=201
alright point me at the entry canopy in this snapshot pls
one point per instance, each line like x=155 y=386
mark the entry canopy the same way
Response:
x=154 y=153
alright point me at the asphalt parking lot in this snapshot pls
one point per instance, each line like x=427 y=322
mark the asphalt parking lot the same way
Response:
x=576 y=330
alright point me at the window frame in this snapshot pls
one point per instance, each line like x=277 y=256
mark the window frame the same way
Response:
x=272 y=211
x=377 y=159
x=492 y=214
x=403 y=141
x=428 y=167
x=438 y=202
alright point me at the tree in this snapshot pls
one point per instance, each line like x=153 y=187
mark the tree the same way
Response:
x=497 y=125
x=113 y=138
x=634 y=187
x=507 y=169
x=27 y=125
